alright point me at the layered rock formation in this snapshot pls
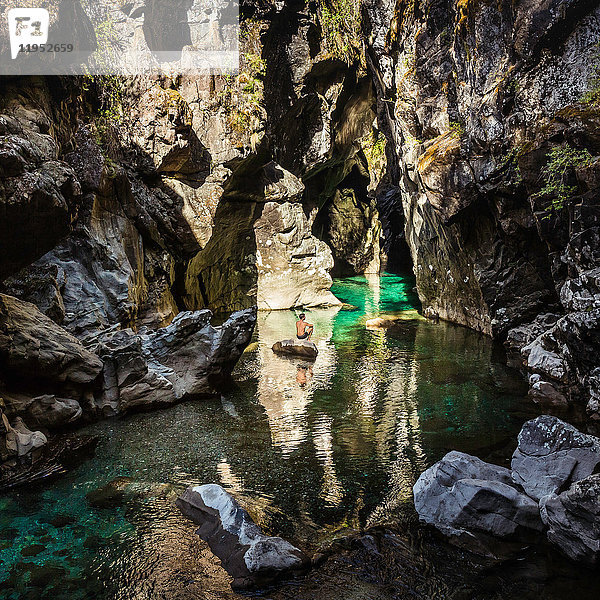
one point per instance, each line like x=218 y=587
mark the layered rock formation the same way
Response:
x=551 y=486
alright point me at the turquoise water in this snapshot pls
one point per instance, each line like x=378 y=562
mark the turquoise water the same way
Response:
x=311 y=449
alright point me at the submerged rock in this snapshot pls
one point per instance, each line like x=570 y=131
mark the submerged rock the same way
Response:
x=573 y=520
x=380 y=323
x=247 y=554
x=552 y=454
x=303 y=348
x=387 y=321
x=464 y=497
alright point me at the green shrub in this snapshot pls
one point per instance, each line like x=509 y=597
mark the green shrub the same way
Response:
x=562 y=161
x=341 y=24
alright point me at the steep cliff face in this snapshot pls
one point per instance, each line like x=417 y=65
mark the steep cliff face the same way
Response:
x=492 y=145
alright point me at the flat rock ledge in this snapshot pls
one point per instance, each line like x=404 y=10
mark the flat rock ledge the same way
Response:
x=252 y=558
x=302 y=348
x=551 y=488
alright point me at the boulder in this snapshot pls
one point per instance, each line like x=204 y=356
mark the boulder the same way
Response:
x=200 y=357
x=128 y=382
x=573 y=520
x=464 y=497
x=552 y=454
x=302 y=348
x=247 y=554
x=51 y=412
x=19 y=441
x=33 y=346
x=187 y=358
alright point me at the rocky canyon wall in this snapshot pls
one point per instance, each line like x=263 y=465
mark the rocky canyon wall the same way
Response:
x=490 y=111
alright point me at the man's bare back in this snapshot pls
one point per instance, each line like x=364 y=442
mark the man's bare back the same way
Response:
x=304 y=330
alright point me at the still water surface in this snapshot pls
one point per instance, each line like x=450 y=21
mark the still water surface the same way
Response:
x=310 y=449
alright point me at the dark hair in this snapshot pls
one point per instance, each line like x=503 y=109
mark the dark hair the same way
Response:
x=302 y=316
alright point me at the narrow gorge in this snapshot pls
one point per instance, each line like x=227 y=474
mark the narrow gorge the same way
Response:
x=422 y=178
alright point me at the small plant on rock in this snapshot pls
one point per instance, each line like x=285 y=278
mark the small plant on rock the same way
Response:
x=559 y=171
x=341 y=24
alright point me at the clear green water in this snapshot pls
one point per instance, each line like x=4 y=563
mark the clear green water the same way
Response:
x=309 y=449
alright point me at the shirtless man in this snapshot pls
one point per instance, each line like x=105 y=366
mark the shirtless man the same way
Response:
x=304 y=330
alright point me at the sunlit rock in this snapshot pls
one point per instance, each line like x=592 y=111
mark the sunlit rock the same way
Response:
x=247 y=554
x=301 y=348
x=552 y=453
x=293 y=265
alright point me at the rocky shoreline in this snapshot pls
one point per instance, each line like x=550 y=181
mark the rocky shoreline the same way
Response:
x=52 y=381
x=552 y=489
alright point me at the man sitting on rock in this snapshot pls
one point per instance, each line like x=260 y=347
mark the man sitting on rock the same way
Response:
x=304 y=330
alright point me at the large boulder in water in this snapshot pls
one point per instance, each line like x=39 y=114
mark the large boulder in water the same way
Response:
x=573 y=520
x=464 y=497
x=188 y=358
x=302 y=348
x=552 y=454
x=247 y=554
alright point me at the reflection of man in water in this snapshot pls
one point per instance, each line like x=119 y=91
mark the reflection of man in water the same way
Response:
x=303 y=375
x=304 y=330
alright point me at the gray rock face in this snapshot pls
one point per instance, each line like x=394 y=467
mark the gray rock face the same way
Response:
x=466 y=157
x=51 y=412
x=248 y=555
x=551 y=455
x=464 y=496
x=293 y=265
x=37 y=190
x=188 y=358
x=17 y=440
x=33 y=346
x=303 y=348
x=573 y=520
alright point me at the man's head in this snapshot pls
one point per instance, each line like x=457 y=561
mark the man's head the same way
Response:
x=302 y=316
